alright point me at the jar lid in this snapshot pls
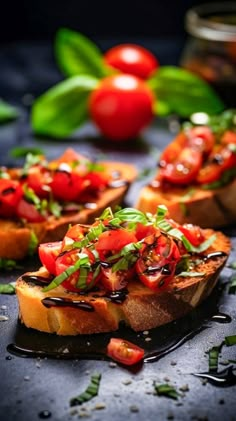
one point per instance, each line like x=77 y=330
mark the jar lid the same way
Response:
x=212 y=21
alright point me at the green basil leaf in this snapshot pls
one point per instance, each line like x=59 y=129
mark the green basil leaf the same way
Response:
x=131 y=215
x=7 y=112
x=76 y=55
x=63 y=108
x=179 y=91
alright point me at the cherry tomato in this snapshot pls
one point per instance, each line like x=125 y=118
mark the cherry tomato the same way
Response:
x=157 y=263
x=10 y=195
x=48 y=253
x=184 y=169
x=121 y=106
x=113 y=241
x=124 y=352
x=201 y=138
x=68 y=259
x=66 y=185
x=133 y=59
x=29 y=212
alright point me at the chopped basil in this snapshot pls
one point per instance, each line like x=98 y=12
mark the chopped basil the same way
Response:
x=190 y=274
x=166 y=389
x=83 y=260
x=89 y=393
x=92 y=235
x=214 y=357
x=33 y=243
x=230 y=340
x=225 y=179
x=7 y=288
x=232 y=287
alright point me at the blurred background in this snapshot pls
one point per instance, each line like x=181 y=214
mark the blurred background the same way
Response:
x=38 y=20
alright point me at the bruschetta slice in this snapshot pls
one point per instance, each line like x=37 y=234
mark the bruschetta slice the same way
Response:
x=41 y=199
x=140 y=269
x=196 y=175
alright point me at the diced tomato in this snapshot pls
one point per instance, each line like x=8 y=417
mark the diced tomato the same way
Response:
x=48 y=253
x=228 y=137
x=113 y=281
x=68 y=259
x=184 y=169
x=157 y=263
x=10 y=194
x=38 y=179
x=95 y=181
x=201 y=138
x=29 y=212
x=193 y=233
x=113 y=241
x=219 y=161
x=124 y=352
x=143 y=231
x=66 y=185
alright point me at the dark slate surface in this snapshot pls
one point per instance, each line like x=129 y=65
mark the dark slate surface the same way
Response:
x=30 y=386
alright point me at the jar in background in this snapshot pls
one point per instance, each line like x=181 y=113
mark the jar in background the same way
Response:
x=210 y=50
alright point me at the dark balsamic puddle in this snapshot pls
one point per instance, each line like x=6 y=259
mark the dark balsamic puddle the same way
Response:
x=164 y=339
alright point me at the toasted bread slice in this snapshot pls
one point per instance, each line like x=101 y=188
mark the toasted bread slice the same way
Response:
x=15 y=236
x=206 y=208
x=67 y=313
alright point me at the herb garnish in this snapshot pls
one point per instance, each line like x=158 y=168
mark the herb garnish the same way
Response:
x=167 y=390
x=7 y=288
x=89 y=393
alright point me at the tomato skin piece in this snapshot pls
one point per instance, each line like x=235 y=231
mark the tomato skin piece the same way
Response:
x=228 y=137
x=10 y=195
x=48 y=253
x=121 y=106
x=133 y=59
x=124 y=352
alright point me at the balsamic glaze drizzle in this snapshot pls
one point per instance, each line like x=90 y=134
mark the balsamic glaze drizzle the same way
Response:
x=67 y=302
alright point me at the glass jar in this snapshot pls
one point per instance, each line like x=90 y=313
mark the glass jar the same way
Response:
x=210 y=50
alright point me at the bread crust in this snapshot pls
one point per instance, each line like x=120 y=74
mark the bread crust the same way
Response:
x=206 y=208
x=142 y=308
x=15 y=236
